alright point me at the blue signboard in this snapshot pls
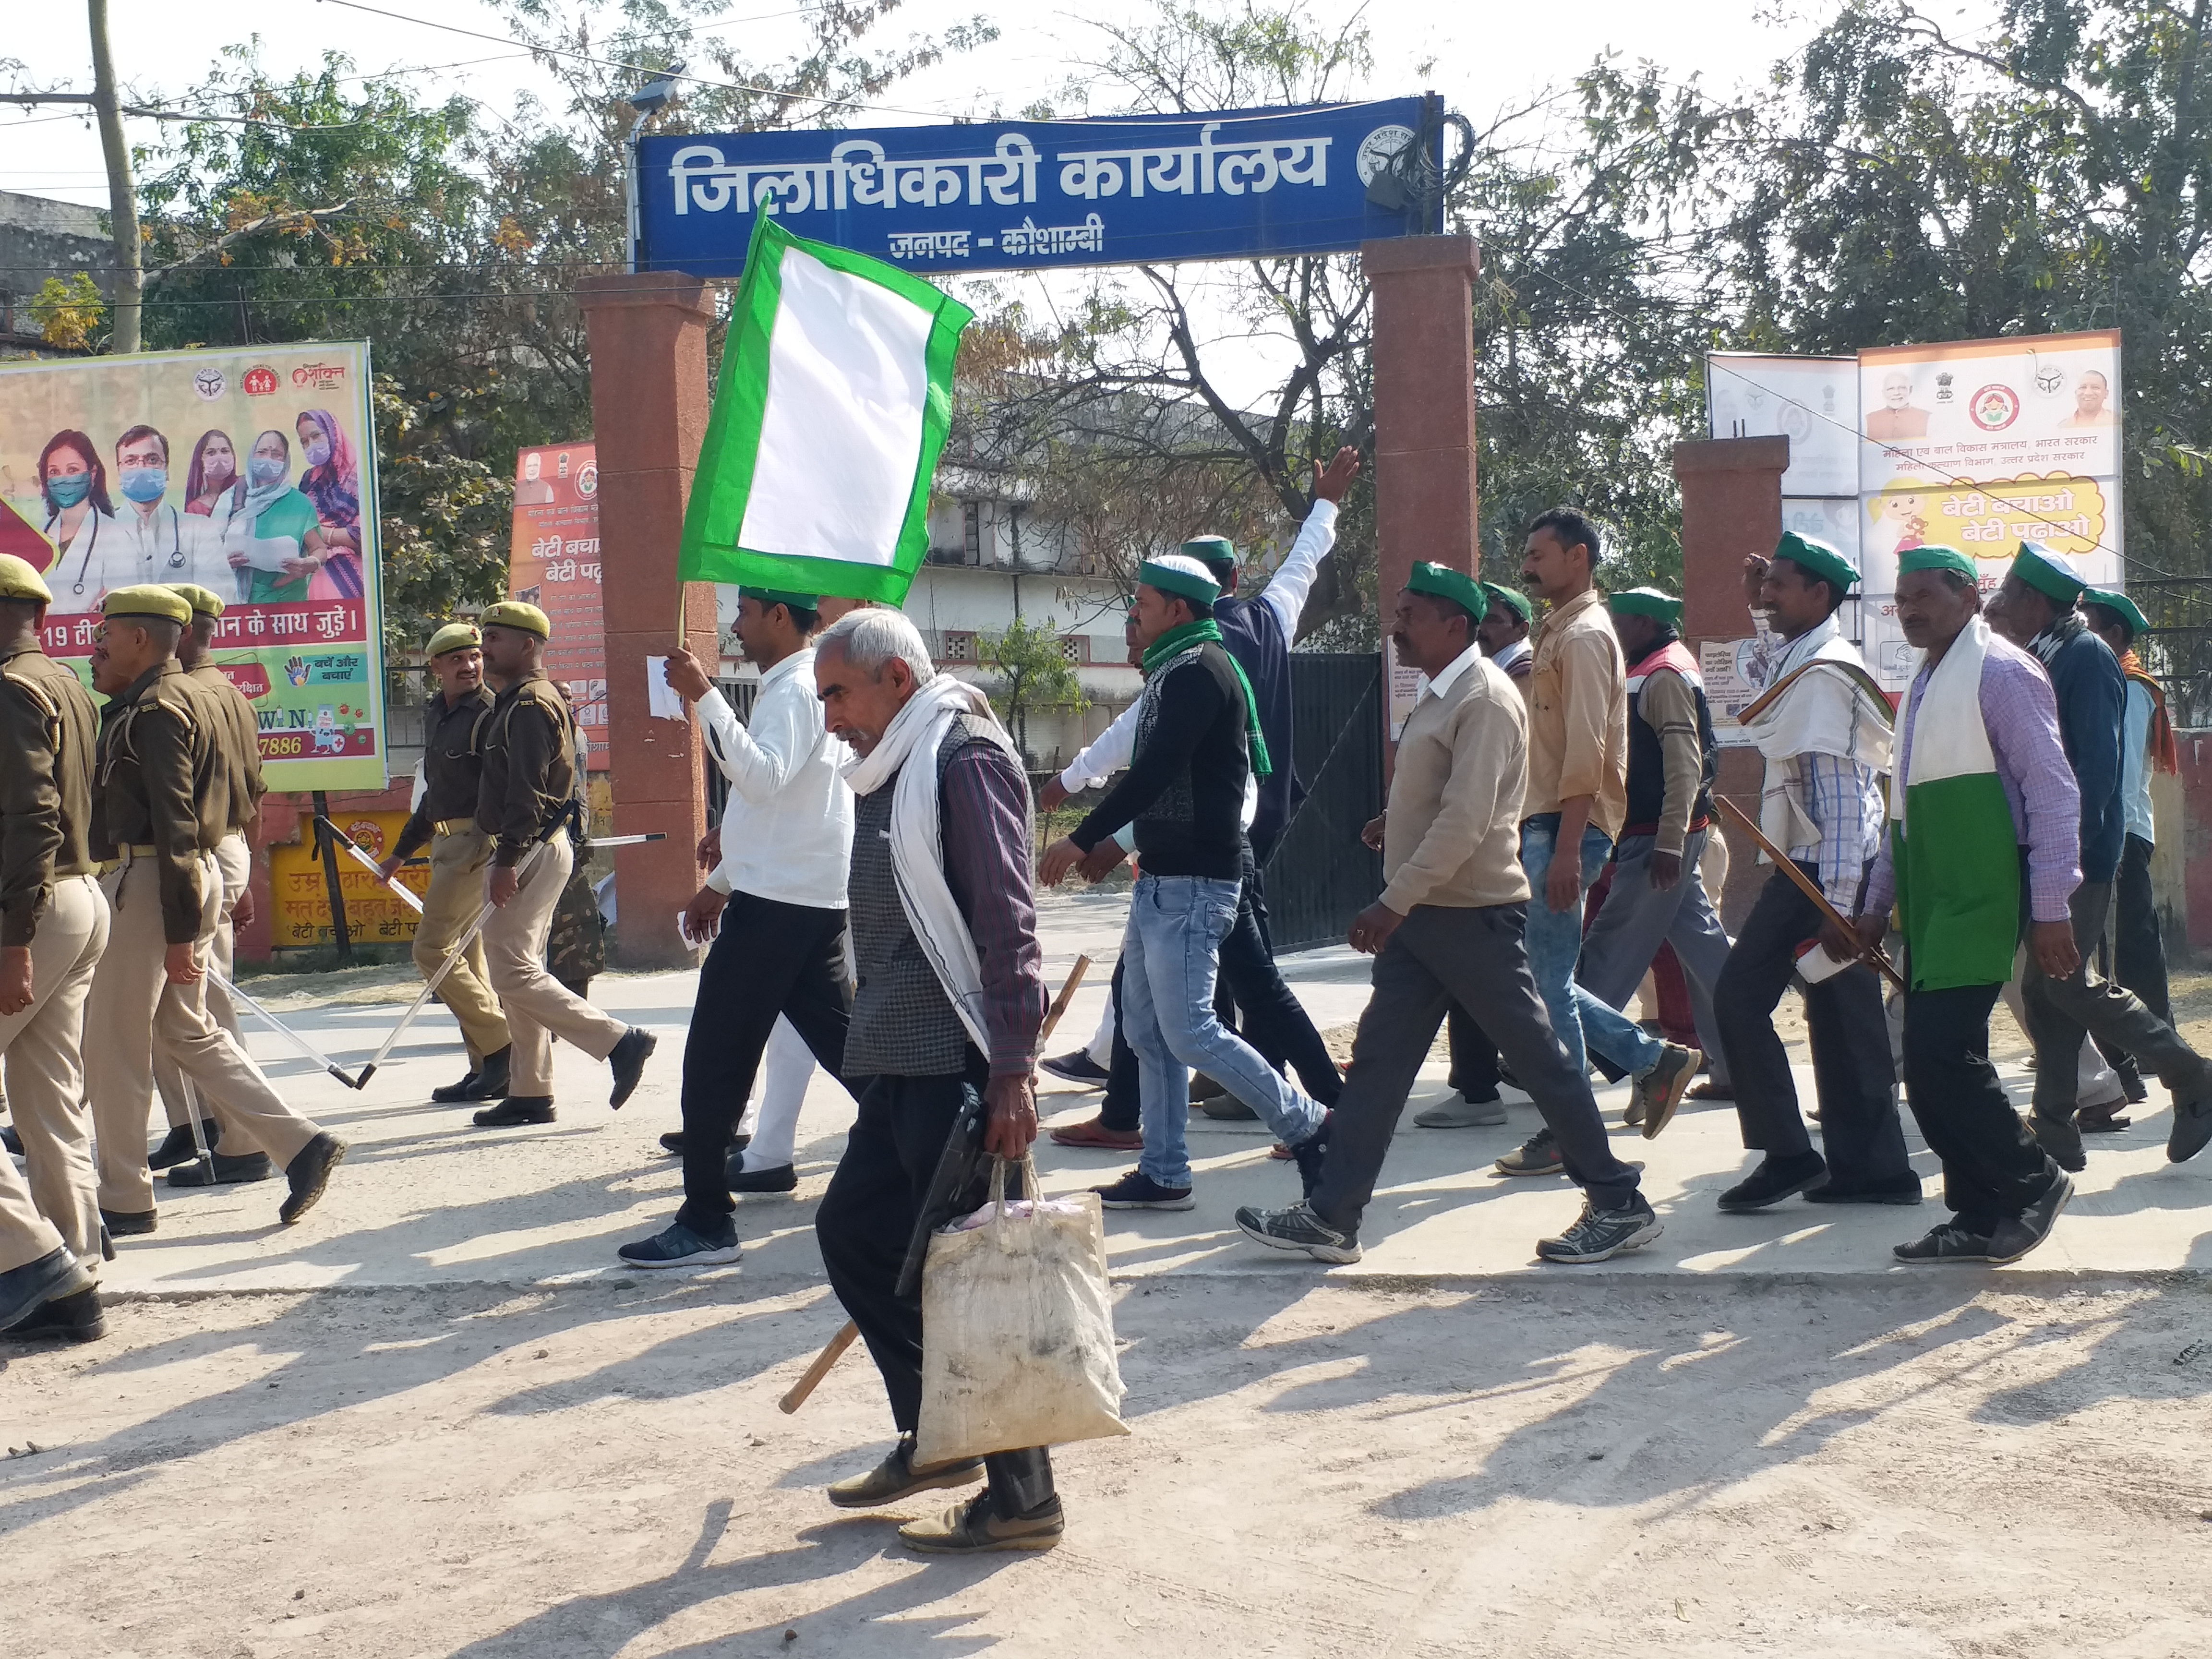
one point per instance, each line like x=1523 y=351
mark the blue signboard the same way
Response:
x=1011 y=195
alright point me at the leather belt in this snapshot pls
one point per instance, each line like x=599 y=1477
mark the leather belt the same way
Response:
x=135 y=850
x=455 y=827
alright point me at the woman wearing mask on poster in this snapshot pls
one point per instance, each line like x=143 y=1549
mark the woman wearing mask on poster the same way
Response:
x=214 y=487
x=332 y=483
x=273 y=541
x=73 y=482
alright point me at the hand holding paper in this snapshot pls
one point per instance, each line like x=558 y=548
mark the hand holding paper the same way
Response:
x=664 y=703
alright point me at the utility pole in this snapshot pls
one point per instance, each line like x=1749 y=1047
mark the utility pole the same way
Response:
x=122 y=192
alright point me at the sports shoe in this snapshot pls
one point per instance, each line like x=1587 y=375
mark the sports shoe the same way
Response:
x=73 y=1318
x=1948 y=1243
x=2060 y=1139
x=1601 y=1234
x=1539 y=1155
x=309 y=1172
x=1463 y=1112
x=677 y=1246
x=2013 y=1239
x=217 y=1170
x=975 y=1529
x=783 y=1178
x=1138 y=1191
x=1076 y=1066
x=2191 y=1131
x=1774 y=1180
x=628 y=1060
x=1093 y=1131
x=1710 y=1089
x=1659 y=1091
x=896 y=1477
x=178 y=1146
x=1298 y=1228
x=514 y=1110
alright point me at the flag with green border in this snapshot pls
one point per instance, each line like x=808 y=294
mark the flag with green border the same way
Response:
x=834 y=401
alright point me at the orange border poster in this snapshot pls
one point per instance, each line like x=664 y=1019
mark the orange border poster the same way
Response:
x=554 y=563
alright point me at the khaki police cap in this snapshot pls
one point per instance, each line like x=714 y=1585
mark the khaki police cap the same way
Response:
x=513 y=613
x=18 y=580
x=454 y=636
x=203 y=600
x=148 y=600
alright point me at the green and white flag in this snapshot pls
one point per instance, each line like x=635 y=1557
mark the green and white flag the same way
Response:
x=834 y=401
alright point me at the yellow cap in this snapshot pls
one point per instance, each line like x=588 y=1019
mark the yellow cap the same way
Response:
x=18 y=580
x=148 y=600
x=454 y=636
x=203 y=600
x=513 y=613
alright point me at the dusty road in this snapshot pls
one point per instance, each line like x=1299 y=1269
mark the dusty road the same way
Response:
x=1902 y=1467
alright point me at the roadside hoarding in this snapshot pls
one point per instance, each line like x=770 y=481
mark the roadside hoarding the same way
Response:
x=251 y=473
x=553 y=562
x=301 y=898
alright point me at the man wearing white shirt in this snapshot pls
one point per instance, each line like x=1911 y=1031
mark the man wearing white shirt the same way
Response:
x=779 y=895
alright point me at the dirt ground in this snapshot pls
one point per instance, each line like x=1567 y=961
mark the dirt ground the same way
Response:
x=1869 y=1467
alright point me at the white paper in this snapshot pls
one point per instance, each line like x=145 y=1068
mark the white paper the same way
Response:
x=664 y=702
x=1817 y=964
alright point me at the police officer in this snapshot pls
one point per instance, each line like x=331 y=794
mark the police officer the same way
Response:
x=446 y=822
x=237 y=741
x=160 y=807
x=529 y=784
x=53 y=926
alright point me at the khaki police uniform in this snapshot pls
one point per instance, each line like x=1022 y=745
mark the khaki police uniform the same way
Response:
x=162 y=806
x=238 y=744
x=50 y=901
x=528 y=778
x=460 y=852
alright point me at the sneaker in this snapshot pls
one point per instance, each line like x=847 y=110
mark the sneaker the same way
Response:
x=1710 y=1089
x=896 y=1477
x=514 y=1110
x=2060 y=1140
x=677 y=1246
x=975 y=1529
x=309 y=1172
x=1601 y=1234
x=1539 y=1155
x=628 y=1061
x=1659 y=1091
x=1077 y=1067
x=217 y=1170
x=1463 y=1112
x=1948 y=1243
x=1093 y=1131
x=1774 y=1180
x=782 y=1178
x=2015 y=1238
x=1298 y=1229
x=1138 y=1191
x=75 y=1318
x=2191 y=1131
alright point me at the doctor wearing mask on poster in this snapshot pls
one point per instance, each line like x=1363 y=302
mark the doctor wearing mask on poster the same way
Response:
x=73 y=484
x=273 y=542
x=157 y=542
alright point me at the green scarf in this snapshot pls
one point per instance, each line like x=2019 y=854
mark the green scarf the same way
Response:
x=1177 y=640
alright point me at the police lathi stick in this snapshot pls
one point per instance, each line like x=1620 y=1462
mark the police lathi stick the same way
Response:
x=287 y=1034
x=353 y=850
x=835 y=1348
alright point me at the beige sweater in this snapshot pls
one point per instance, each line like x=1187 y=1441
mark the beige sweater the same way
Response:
x=1451 y=832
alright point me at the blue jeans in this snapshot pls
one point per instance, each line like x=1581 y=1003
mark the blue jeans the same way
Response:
x=1555 y=937
x=1170 y=955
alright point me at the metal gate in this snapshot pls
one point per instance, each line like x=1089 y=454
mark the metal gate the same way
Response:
x=1321 y=875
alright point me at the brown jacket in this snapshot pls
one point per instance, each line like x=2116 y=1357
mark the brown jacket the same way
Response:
x=1579 y=714
x=452 y=771
x=238 y=735
x=161 y=785
x=528 y=749
x=49 y=737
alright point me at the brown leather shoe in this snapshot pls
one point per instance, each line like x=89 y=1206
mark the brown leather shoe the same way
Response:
x=898 y=1477
x=1093 y=1131
x=974 y=1528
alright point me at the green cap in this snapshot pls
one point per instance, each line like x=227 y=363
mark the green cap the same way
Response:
x=1444 y=583
x=1511 y=598
x=2047 y=573
x=148 y=600
x=1180 y=574
x=768 y=596
x=2119 y=604
x=19 y=580
x=513 y=613
x=1210 y=549
x=1647 y=602
x=1937 y=558
x=454 y=636
x=1817 y=560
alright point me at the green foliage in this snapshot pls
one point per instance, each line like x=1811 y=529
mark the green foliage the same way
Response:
x=67 y=310
x=1033 y=672
x=445 y=518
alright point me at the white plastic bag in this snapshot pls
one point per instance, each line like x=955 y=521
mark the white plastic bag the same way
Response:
x=1018 y=1332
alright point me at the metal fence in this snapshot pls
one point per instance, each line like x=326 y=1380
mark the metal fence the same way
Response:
x=2178 y=650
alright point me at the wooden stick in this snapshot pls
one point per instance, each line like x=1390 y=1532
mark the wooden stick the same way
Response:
x=829 y=1356
x=1806 y=884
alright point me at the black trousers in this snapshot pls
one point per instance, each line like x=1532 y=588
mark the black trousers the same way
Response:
x=1992 y=1168
x=2137 y=961
x=769 y=959
x=865 y=1225
x=1859 y=1131
x=1473 y=1057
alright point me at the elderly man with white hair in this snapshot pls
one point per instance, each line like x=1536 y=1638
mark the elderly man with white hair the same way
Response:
x=948 y=1004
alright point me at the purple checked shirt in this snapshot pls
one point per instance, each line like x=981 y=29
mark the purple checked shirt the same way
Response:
x=2020 y=715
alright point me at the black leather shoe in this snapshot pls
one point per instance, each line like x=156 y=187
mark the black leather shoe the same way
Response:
x=628 y=1060
x=177 y=1146
x=1891 y=1189
x=1774 y=1180
x=73 y=1318
x=455 y=1094
x=217 y=1170
x=783 y=1178
x=10 y=1141
x=673 y=1143
x=517 y=1109
x=309 y=1173
x=127 y=1224
x=2191 y=1130
x=2060 y=1139
x=23 y=1289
